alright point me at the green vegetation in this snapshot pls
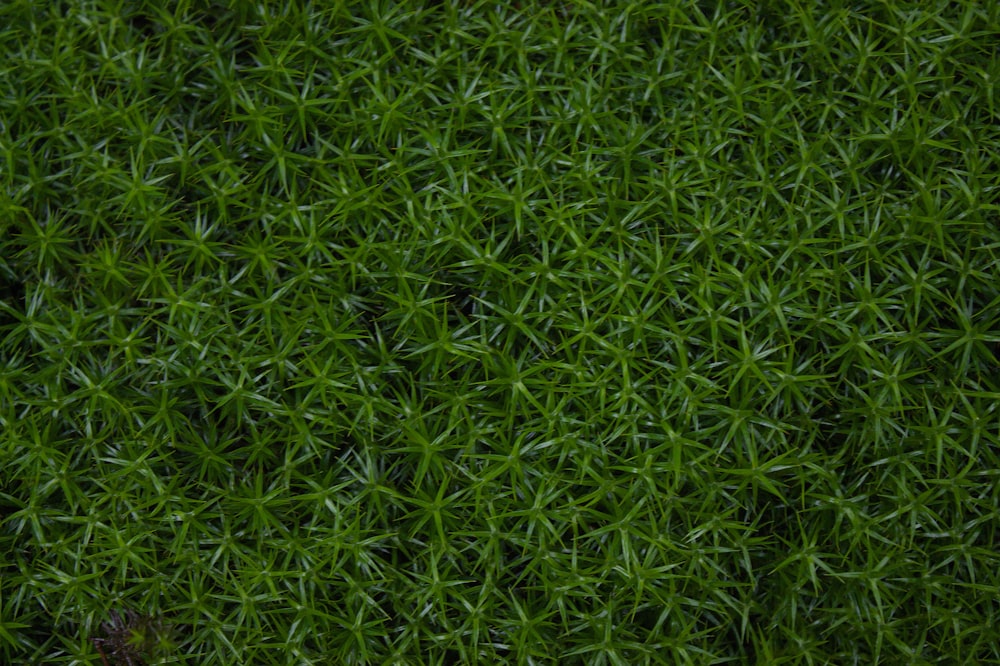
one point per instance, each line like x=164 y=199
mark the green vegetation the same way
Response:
x=490 y=332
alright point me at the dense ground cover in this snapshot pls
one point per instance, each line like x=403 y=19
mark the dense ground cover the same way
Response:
x=434 y=333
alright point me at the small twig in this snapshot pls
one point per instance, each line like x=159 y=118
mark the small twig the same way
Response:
x=97 y=646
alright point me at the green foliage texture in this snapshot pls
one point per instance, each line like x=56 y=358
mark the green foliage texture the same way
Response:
x=412 y=332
